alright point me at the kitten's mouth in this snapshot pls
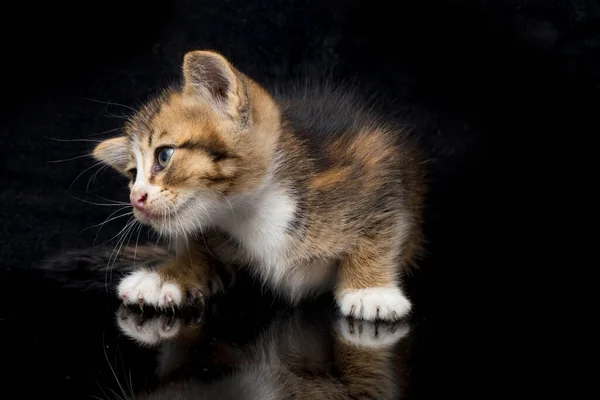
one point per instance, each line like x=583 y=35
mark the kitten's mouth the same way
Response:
x=151 y=216
x=156 y=216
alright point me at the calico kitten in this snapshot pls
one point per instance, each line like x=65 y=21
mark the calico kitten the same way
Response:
x=308 y=189
x=305 y=355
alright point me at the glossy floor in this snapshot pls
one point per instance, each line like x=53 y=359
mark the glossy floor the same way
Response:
x=84 y=344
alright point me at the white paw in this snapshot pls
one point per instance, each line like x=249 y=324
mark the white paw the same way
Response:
x=147 y=287
x=148 y=332
x=385 y=303
x=371 y=335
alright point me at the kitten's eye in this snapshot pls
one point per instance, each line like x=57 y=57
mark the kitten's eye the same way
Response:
x=163 y=156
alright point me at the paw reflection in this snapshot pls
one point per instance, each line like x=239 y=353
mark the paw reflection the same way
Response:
x=369 y=334
x=150 y=328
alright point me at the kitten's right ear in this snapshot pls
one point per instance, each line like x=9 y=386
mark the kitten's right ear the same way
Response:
x=114 y=152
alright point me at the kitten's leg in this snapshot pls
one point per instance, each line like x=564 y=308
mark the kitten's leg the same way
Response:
x=185 y=280
x=367 y=284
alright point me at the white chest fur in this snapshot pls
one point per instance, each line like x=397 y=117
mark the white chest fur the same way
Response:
x=259 y=222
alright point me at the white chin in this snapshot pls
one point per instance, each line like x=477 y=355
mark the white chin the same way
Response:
x=142 y=218
x=181 y=224
x=160 y=225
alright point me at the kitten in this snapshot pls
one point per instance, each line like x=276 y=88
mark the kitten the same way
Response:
x=308 y=189
x=305 y=355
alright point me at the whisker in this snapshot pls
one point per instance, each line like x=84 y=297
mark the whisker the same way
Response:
x=110 y=103
x=164 y=232
x=105 y=132
x=171 y=229
x=174 y=213
x=108 y=263
x=102 y=226
x=103 y=393
x=93 y=177
x=74 y=140
x=173 y=237
x=111 y=369
x=199 y=225
x=116 y=394
x=83 y=172
x=123 y=117
x=124 y=236
x=111 y=219
x=160 y=229
x=101 y=204
x=180 y=224
x=69 y=159
x=230 y=207
x=113 y=201
x=130 y=235
x=196 y=217
x=117 y=249
x=207 y=213
x=136 y=244
x=112 y=238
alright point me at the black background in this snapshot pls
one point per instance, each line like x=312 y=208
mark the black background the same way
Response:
x=479 y=80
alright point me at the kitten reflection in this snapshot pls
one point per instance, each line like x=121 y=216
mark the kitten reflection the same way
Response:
x=307 y=355
x=373 y=336
x=150 y=328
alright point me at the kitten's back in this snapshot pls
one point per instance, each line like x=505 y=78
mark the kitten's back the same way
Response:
x=366 y=160
x=321 y=112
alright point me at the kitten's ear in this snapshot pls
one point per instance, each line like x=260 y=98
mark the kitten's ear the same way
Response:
x=210 y=77
x=114 y=152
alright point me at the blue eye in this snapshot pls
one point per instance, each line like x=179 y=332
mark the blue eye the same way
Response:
x=164 y=155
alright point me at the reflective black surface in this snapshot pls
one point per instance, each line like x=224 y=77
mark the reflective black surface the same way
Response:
x=464 y=74
x=84 y=344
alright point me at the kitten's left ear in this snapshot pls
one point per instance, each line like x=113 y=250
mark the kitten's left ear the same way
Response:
x=114 y=152
x=210 y=77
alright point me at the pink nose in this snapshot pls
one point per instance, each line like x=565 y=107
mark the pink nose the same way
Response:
x=139 y=200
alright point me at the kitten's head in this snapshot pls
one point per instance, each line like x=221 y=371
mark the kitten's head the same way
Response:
x=190 y=151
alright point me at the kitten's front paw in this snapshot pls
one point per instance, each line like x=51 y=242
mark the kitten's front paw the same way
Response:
x=146 y=287
x=385 y=303
x=374 y=335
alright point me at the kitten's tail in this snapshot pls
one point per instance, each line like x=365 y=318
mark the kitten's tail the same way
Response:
x=99 y=268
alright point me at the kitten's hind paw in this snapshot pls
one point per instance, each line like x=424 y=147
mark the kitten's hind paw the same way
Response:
x=376 y=303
